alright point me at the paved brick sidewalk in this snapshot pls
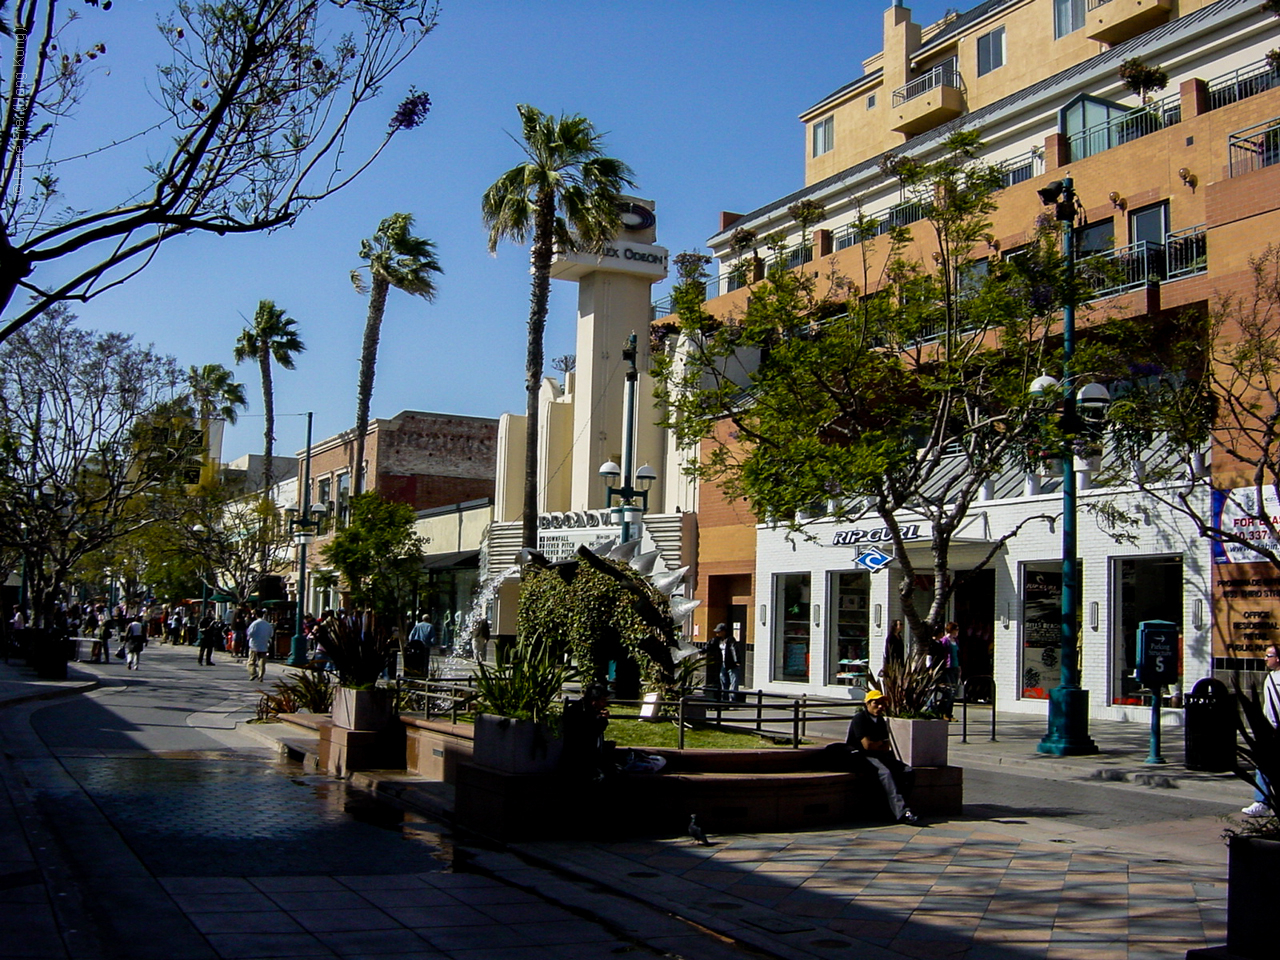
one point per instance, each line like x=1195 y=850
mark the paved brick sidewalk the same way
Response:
x=955 y=889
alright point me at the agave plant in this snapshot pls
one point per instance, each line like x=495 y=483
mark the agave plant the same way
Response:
x=527 y=685
x=359 y=648
x=911 y=686
x=1260 y=751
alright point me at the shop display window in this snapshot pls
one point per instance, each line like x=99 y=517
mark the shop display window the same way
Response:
x=791 y=627
x=848 y=622
x=1147 y=588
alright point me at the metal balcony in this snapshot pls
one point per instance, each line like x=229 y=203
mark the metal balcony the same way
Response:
x=927 y=101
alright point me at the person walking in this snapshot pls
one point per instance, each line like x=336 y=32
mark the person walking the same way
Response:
x=417 y=649
x=135 y=640
x=1271 y=707
x=259 y=636
x=895 y=643
x=946 y=654
x=727 y=655
x=869 y=743
x=213 y=634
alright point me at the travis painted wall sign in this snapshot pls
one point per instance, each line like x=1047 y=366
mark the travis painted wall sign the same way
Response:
x=844 y=538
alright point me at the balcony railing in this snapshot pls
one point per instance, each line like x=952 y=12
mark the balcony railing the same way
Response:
x=898 y=215
x=1126 y=127
x=1186 y=253
x=1246 y=82
x=945 y=75
x=1022 y=167
x=1254 y=147
x=1123 y=269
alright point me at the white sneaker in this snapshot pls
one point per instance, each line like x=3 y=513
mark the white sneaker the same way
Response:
x=1257 y=809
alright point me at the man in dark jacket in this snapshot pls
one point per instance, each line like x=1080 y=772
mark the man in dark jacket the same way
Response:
x=871 y=747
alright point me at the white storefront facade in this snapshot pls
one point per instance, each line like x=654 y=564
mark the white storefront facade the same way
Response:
x=826 y=599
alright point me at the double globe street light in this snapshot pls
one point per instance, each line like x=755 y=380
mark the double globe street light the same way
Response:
x=625 y=483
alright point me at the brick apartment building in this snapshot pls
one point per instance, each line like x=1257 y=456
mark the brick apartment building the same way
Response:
x=1178 y=191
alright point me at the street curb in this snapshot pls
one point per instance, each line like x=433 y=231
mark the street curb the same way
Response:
x=80 y=686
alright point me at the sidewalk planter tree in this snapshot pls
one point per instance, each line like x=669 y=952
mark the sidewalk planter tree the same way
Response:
x=359 y=651
x=898 y=393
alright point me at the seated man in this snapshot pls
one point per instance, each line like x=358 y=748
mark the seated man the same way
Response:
x=587 y=753
x=870 y=746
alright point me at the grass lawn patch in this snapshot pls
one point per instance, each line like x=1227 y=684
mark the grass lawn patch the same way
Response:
x=664 y=733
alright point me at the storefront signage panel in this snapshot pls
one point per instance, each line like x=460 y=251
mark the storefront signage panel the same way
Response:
x=860 y=535
x=1246 y=592
x=1041 y=632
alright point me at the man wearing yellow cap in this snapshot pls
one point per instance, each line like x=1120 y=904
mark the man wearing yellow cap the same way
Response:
x=869 y=742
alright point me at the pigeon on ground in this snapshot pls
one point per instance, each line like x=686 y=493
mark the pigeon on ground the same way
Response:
x=697 y=832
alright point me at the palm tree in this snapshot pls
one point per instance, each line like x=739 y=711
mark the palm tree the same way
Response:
x=396 y=258
x=215 y=393
x=564 y=195
x=272 y=335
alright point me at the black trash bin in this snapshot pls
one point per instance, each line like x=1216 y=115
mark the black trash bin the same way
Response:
x=1210 y=727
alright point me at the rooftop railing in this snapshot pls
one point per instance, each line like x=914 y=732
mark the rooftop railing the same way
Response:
x=1249 y=80
x=944 y=75
x=1126 y=127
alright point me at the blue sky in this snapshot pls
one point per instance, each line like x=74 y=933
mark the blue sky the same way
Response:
x=699 y=96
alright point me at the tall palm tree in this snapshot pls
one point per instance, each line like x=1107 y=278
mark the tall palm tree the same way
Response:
x=564 y=195
x=272 y=335
x=395 y=258
x=215 y=392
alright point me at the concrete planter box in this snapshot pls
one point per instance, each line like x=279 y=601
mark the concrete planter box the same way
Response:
x=1253 y=890
x=920 y=743
x=362 y=709
x=515 y=746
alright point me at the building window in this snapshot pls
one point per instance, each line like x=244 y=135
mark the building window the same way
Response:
x=990 y=51
x=848 y=619
x=791 y=626
x=1150 y=224
x=824 y=136
x=871 y=101
x=1068 y=17
x=1150 y=588
x=1041 y=629
x=344 y=499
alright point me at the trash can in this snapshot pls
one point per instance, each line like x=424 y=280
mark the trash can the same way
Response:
x=47 y=654
x=1210 y=727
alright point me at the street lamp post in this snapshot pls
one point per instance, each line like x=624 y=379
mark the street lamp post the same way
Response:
x=304 y=528
x=1068 y=728
x=633 y=484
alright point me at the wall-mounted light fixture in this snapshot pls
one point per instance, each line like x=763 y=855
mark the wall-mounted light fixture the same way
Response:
x=817 y=614
x=1093 y=615
x=1197 y=614
x=1188 y=178
x=1117 y=201
x=763 y=620
x=1008 y=610
x=879 y=613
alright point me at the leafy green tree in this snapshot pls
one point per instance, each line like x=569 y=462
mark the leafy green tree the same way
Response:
x=395 y=258
x=902 y=394
x=565 y=196
x=272 y=336
x=379 y=556
x=255 y=119
x=95 y=443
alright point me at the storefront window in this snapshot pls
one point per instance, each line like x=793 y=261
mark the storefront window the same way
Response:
x=791 y=627
x=850 y=630
x=1148 y=588
x=1041 y=629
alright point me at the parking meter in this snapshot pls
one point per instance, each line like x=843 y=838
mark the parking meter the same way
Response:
x=1157 y=668
x=1157 y=654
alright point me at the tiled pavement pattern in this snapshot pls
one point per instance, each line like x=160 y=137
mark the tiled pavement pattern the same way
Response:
x=430 y=916
x=951 y=890
x=248 y=818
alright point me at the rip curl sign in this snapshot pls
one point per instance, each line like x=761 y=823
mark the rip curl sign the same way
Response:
x=858 y=536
